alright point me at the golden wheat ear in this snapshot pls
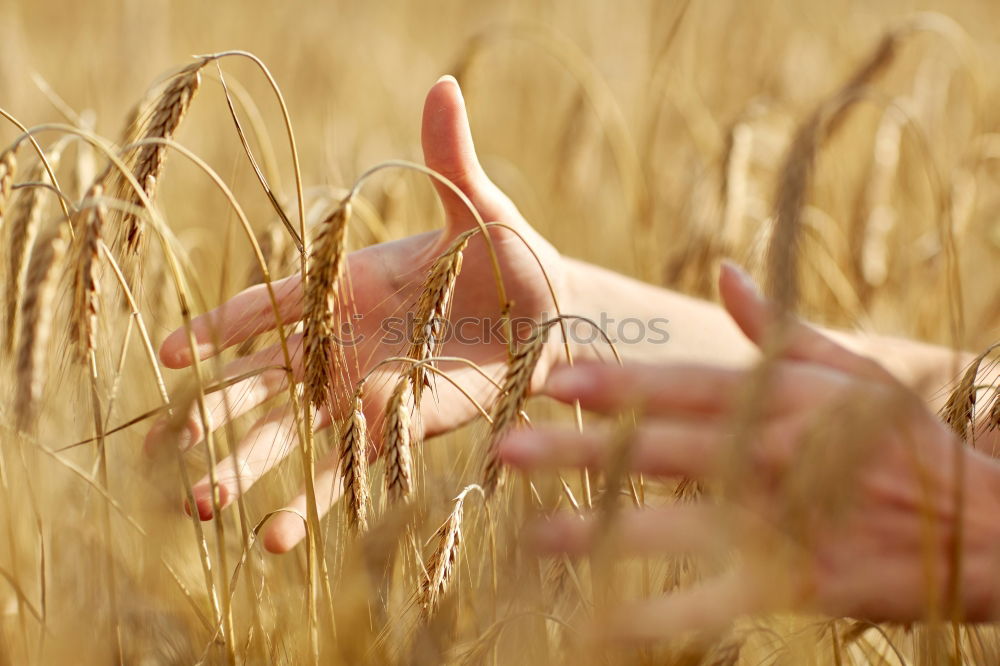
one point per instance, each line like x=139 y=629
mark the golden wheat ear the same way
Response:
x=959 y=411
x=440 y=568
x=37 y=310
x=86 y=277
x=25 y=221
x=433 y=307
x=354 y=467
x=165 y=117
x=326 y=267
x=510 y=403
x=397 y=442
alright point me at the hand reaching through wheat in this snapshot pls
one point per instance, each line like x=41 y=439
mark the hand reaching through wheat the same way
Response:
x=381 y=282
x=843 y=486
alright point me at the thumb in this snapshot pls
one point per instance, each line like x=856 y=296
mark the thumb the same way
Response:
x=756 y=315
x=448 y=149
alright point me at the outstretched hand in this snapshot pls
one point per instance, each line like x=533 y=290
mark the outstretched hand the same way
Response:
x=384 y=282
x=847 y=486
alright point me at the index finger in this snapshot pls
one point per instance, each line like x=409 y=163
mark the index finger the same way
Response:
x=243 y=316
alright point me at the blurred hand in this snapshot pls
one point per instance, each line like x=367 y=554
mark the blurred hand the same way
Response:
x=385 y=282
x=855 y=518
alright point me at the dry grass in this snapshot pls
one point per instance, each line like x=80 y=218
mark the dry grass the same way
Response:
x=847 y=151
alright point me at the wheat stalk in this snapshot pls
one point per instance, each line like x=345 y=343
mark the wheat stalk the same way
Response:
x=354 y=467
x=398 y=458
x=86 y=280
x=165 y=118
x=36 y=323
x=326 y=266
x=25 y=220
x=440 y=568
x=510 y=403
x=432 y=311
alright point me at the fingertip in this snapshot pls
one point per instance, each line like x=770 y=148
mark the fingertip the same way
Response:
x=567 y=383
x=173 y=354
x=284 y=534
x=521 y=447
x=203 y=500
x=448 y=79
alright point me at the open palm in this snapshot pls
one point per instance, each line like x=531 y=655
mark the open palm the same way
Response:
x=383 y=284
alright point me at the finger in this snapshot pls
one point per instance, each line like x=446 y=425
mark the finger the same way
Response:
x=286 y=529
x=662 y=448
x=233 y=401
x=688 y=389
x=756 y=316
x=265 y=445
x=245 y=315
x=709 y=607
x=689 y=529
x=449 y=150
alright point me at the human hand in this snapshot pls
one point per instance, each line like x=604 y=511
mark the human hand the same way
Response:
x=845 y=501
x=385 y=282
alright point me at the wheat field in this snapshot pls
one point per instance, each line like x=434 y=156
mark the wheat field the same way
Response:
x=652 y=137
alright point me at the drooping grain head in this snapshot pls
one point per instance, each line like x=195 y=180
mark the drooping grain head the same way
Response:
x=164 y=119
x=86 y=277
x=433 y=307
x=26 y=216
x=439 y=570
x=354 y=467
x=959 y=411
x=510 y=403
x=396 y=442
x=326 y=267
x=37 y=311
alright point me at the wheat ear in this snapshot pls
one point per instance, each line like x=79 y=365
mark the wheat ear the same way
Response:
x=993 y=420
x=510 y=403
x=432 y=310
x=86 y=278
x=326 y=266
x=354 y=467
x=25 y=220
x=959 y=411
x=165 y=117
x=398 y=458
x=36 y=323
x=440 y=569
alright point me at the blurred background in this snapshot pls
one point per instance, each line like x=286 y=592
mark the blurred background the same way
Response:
x=648 y=136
